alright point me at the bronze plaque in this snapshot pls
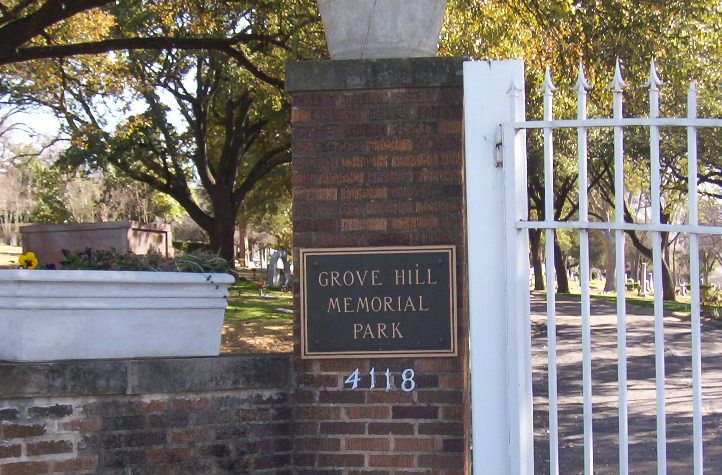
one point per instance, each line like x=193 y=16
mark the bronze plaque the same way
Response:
x=378 y=302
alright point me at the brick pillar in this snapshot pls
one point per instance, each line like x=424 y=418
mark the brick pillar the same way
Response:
x=378 y=161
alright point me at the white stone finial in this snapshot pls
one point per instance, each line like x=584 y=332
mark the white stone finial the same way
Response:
x=548 y=86
x=653 y=82
x=582 y=84
x=514 y=88
x=617 y=83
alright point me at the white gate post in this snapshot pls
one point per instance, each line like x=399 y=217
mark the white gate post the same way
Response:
x=500 y=339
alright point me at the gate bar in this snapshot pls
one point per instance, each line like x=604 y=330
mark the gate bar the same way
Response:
x=621 y=283
x=694 y=284
x=582 y=86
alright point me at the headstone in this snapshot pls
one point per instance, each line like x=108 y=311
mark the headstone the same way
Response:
x=48 y=240
x=279 y=270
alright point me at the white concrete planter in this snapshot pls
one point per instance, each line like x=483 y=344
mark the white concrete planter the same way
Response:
x=367 y=29
x=73 y=314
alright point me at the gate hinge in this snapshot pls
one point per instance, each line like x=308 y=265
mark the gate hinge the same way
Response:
x=498 y=148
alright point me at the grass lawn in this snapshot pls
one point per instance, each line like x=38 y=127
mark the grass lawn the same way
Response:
x=680 y=307
x=254 y=324
x=245 y=304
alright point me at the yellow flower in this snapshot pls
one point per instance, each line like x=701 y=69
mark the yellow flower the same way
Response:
x=28 y=260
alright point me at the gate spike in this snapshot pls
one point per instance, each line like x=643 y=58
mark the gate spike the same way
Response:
x=617 y=83
x=548 y=86
x=653 y=82
x=582 y=84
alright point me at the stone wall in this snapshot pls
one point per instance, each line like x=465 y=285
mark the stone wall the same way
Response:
x=378 y=161
x=153 y=416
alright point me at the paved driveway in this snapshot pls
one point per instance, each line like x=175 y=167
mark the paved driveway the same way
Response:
x=641 y=390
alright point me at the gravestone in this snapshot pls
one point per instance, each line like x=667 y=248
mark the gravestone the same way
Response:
x=48 y=240
x=279 y=271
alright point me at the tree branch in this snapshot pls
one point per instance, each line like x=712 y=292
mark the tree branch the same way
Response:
x=224 y=45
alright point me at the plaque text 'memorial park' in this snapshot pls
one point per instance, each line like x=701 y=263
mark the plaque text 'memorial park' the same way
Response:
x=378 y=302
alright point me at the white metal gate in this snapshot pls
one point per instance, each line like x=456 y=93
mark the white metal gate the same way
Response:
x=497 y=215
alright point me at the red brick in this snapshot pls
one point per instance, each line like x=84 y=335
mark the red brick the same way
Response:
x=317 y=194
x=362 y=97
x=24 y=468
x=338 y=366
x=314 y=99
x=342 y=397
x=354 y=162
x=451 y=159
x=403 y=129
x=452 y=413
x=390 y=145
x=302 y=397
x=169 y=455
x=339 y=115
x=300 y=115
x=392 y=428
x=441 y=428
x=445 y=176
x=339 y=178
x=437 y=206
x=381 y=397
x=416 y=222
x=190 y=405
x=414 y=412
x=364 y=193
x=371 y=224
x=391 y=461
x=49 y=447
x=418 y=160
x=454 y=445
x=188 y=435
x=55 y=411
x=325 y=381
x=452 y=127
x=416 y=444
x=341 y=428
x=318 y=444
x=13 y=431
x=9 y=414
x=9 y=451
x=379 y=162
x=441 y=397
x=367 y=444
x=396 y=176
x=318 y=412
x=367 y=412
x=441 y=461
x=437 y=365
x=340 y=460
x=75 y=465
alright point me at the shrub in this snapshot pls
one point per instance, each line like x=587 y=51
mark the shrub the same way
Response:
x=153 y=262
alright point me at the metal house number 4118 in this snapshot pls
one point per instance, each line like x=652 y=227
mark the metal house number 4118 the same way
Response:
x=407 y=379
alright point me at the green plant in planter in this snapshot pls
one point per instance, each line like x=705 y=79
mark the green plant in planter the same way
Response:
x=201 y=262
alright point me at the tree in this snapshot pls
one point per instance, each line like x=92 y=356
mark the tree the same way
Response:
x=560 y=34
x=228 y=146
x=206 y=122
x=32 y=30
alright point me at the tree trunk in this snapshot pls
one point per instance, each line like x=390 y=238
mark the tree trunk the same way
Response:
x=536 y=261
x=561 y=268
x=222 y=231
x=668 y=286
x=610 y=261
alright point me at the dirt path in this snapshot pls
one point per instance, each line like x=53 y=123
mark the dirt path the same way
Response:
x=641 y=390
x=257 y=336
